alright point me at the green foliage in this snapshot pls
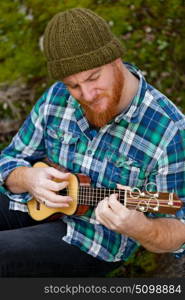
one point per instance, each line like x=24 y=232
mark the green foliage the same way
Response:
x=152 y=33
x=141 y=264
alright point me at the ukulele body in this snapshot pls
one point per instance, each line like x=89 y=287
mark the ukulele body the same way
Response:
x=39 y=211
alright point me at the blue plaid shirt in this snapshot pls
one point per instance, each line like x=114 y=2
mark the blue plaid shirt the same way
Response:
x=143 y=144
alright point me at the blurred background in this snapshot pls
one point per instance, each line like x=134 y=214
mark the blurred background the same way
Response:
x=153 y=35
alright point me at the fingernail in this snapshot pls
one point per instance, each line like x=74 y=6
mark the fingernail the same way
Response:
x=67 y=174
x=70 y=199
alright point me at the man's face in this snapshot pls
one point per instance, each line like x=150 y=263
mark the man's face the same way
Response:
x=98 y=91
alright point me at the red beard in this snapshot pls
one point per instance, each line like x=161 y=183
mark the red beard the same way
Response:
x=99 y=119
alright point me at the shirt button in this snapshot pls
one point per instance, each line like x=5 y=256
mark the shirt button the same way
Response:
x=89 y=152
x=120 y=163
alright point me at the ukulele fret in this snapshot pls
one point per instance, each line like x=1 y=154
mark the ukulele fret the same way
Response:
x=91 y=196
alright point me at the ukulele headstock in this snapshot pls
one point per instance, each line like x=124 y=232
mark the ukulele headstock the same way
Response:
x=146 y=201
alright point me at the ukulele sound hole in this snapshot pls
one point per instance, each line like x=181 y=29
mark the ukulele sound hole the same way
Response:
x=37 y=205
x=63 y=192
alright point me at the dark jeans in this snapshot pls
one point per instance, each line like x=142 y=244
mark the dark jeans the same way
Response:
x=35 y=249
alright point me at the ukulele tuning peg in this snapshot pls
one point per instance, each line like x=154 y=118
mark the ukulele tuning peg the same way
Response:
x=142 y=208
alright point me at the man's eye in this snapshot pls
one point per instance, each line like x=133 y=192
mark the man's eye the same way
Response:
x=93 y=79
x=73 y=87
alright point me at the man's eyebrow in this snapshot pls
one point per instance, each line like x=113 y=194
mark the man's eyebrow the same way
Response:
x=92 y=74
x=89 y=77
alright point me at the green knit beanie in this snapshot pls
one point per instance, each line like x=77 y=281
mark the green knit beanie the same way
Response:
x=77 y=40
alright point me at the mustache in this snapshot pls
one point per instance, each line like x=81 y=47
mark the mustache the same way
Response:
x=95 y=99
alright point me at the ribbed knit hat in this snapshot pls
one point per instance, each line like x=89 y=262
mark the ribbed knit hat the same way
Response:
x=77 y=40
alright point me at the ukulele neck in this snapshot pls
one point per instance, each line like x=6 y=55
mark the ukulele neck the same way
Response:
x=131 y=198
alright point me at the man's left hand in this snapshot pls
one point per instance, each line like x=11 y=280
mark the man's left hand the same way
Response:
x=117 y=217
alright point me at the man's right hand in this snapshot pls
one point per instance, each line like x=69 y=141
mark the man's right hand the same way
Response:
x=42 y=183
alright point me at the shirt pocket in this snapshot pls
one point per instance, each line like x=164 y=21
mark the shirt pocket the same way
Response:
x=118 y=168
x=61 y=146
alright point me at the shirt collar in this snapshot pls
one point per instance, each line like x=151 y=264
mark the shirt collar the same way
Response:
x=131 y=113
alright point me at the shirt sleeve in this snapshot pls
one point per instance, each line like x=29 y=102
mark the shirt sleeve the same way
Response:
x=26 y=147
x=170 y=177
x=171 y=169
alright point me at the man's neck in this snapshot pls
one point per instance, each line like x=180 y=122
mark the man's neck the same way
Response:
x=130 y=88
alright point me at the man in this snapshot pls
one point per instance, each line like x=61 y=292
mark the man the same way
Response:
x=101 y=118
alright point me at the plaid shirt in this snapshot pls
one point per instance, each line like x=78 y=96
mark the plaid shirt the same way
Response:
x=145 y=143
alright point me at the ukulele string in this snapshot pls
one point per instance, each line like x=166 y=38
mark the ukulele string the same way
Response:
x=90 y=196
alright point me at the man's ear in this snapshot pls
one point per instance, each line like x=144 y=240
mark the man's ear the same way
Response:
x=117 y=62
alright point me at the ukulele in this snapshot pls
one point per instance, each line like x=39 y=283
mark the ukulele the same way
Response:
x=85 y=196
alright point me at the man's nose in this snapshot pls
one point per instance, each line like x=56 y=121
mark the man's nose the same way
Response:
x=88 y=93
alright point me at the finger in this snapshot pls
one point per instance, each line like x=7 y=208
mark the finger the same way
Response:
x=103 y=212
x=123 y=187
x=115 y=205
x=108 y=216
x=113 y=197
x=103 y=204
x=56 y=186
x=117 y=208
x=99 y=216
x=113 y=201
x=54 y=205
x=57 y=174
x=55 y=199
x=103 y=219
x=100 y=208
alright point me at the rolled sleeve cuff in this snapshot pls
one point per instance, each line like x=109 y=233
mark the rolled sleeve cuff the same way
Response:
x=5 y=170
x=9 y=166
